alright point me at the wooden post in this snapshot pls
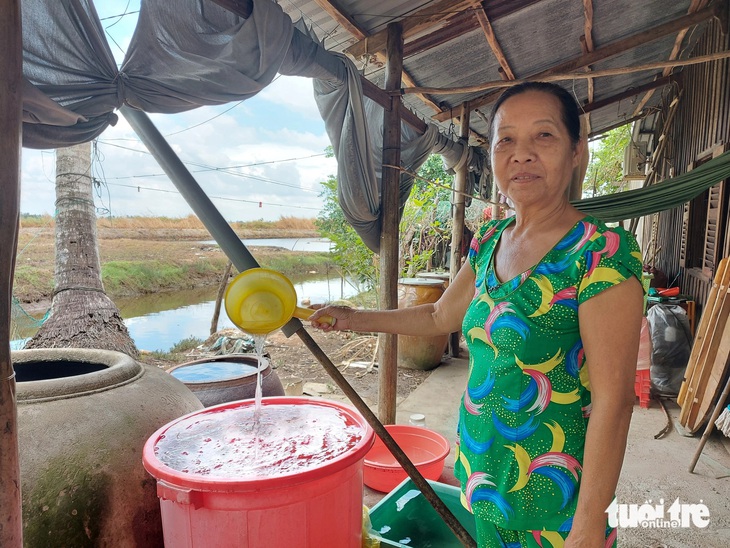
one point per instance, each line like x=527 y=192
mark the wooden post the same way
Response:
x=388 y=347
x=457 y=230
x=460 y=188
x=11 y=99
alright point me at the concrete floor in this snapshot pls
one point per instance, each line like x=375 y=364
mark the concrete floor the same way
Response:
x=653 y=469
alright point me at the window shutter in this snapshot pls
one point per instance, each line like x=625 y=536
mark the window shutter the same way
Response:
x=710 y=255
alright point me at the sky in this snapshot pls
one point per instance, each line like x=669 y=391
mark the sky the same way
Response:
x=258 y=159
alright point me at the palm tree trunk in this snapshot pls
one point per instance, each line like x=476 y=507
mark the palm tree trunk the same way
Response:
x=82 y=315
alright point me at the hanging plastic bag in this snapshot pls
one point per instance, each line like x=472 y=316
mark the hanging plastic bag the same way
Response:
x=671 y=345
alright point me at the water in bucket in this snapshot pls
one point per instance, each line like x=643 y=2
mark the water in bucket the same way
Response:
x=250 y=444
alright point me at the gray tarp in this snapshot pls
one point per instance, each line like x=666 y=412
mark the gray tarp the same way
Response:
x=187 y=53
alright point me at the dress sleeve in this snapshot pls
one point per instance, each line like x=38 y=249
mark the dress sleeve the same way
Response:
x=611 y=259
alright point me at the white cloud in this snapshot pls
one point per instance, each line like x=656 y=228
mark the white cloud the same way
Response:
x=295 y=93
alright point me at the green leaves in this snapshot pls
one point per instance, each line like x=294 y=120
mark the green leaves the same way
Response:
x=605 y=170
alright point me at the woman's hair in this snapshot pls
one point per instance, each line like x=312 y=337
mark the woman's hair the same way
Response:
x=568 y=106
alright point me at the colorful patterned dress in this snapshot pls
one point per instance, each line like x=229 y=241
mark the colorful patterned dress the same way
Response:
x=524 y=414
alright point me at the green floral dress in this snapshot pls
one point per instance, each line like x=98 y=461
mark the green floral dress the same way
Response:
x=525 y=411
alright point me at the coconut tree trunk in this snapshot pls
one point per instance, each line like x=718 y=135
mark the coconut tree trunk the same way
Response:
x=82 y=316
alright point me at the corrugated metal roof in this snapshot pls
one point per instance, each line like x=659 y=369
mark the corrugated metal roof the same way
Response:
x=534 y=36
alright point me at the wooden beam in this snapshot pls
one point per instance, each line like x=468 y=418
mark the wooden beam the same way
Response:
x=602 y=53
x=340 y=15
x=458 y=25
x=389 y=208
x=617 y=124
x=415 y=23
x=493 y=43
x=495 y=84
x=11 y=109
x=463 y=23
x=693 y=7
x=631 y=92
x=586 y=42
x=458 y=200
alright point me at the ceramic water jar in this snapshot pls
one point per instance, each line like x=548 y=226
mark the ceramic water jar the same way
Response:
x=83 y=419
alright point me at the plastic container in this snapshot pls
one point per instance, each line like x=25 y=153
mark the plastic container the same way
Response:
x=404 y=518
x=642 y=387
x=420 y=352
x=212 y=497
x=425 y=448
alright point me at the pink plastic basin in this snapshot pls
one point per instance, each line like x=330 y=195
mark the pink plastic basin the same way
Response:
x=426 y=449
x=211 y=496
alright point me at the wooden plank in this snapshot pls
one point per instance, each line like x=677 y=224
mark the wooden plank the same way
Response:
x=414 y=24
x=595 y=105
x=703 y=331
x=707 y=340
x=708 y=355
x=718 y=375
x=338 y=13
x=388 y=349
x=601 y=53
x=494 y=43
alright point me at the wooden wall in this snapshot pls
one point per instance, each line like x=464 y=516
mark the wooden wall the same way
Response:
x=690 y=240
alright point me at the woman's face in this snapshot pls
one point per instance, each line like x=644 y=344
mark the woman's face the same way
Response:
x=532 y=154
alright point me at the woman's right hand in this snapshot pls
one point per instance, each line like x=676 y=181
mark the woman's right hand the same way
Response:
x=341 y=314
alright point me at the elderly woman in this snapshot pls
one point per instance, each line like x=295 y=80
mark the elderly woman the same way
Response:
x=550 y=304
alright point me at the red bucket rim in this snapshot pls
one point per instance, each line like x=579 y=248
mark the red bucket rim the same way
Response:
x=161 y=471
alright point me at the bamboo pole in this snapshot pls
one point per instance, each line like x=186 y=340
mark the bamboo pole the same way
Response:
x=495 y=84
x=388 y=347
x=11 y=63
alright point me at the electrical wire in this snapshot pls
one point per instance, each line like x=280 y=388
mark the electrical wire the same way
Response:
x=209 y=168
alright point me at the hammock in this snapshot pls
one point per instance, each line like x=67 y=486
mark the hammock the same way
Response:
x=668 y=194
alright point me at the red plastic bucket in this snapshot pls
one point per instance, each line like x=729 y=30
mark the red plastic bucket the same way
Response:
x=304 y=490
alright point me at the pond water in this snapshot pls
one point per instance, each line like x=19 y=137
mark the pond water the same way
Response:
x=159 y=321
x=292 y=244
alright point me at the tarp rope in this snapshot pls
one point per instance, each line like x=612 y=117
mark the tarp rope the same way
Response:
x=668 y=194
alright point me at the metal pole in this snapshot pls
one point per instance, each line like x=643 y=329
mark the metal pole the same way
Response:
x=198 y=200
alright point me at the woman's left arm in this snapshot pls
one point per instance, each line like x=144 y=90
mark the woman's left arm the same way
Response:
x=610 y=323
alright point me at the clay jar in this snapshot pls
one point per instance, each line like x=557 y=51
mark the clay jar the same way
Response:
x=222 y=379
x=420 y=352
x=83 y=418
